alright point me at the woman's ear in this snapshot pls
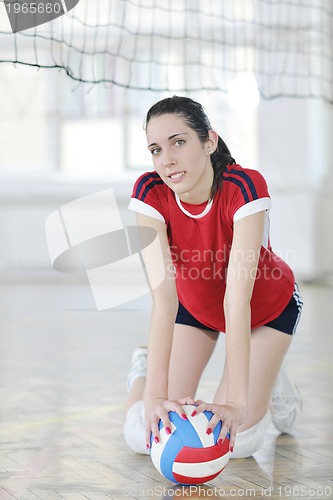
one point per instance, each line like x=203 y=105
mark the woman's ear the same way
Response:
x=213 y=139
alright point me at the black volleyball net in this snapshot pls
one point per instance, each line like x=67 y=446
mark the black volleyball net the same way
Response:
x=184 y=45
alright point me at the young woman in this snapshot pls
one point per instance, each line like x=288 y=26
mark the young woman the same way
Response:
x=213 y=270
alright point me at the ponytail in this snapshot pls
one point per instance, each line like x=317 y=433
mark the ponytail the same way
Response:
x=221 y=158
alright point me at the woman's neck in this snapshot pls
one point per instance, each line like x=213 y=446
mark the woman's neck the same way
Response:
x=199 y=193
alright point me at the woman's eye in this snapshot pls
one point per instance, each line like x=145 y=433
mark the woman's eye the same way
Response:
x=179 y=142
x=155 y=151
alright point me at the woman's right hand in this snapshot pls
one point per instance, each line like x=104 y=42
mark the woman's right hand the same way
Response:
x=158 y=409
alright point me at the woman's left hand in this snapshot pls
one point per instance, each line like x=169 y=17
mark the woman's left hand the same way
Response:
x=231 y=414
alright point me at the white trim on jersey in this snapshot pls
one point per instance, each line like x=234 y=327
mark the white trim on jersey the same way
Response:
x=143 y=208
x=197 y=216
x=253 y=207
x=265 y=236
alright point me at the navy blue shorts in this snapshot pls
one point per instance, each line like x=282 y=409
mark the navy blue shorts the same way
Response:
x=287 y=321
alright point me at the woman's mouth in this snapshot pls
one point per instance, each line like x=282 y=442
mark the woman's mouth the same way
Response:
x=176 y=176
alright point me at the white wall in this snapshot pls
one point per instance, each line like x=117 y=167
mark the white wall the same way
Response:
x=295 y=151
x=25 y=205
x=289 y=141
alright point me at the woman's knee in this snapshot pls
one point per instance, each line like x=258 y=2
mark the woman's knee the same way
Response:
x=134 y=429
x=252 y=439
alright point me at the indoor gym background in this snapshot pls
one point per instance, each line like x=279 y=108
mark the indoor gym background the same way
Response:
x=73 y=96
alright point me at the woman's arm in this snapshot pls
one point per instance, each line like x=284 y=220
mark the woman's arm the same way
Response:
x=158 y=263
x=241 y=274
x=242 y=270
x=161 y=277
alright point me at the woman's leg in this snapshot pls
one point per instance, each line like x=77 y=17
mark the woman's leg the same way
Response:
x=134 y=425
x=268 y=349
x=191 y=350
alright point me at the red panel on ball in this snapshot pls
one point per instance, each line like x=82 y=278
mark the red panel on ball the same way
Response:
x=195 y=480
x=194 y=455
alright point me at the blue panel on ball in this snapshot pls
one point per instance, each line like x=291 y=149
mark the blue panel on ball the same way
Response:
x=171 y=450
x=208 y=414
x=188 y=433
x=184 y=435
x=217 y=431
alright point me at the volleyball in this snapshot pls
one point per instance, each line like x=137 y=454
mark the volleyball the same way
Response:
x=189 y=455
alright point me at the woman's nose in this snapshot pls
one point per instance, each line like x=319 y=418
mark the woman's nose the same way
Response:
x=168 y=159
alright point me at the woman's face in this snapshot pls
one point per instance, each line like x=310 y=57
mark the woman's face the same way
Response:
x=180 y=158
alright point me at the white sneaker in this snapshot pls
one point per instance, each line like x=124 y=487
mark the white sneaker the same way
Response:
x=286 y=403
x=138 y=366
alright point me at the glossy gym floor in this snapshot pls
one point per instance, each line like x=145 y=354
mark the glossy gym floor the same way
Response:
x=63 y=369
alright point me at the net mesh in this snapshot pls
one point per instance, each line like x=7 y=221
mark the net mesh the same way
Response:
x=186 y=45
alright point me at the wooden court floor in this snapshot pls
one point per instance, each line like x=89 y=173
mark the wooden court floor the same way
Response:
x=63 y=368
